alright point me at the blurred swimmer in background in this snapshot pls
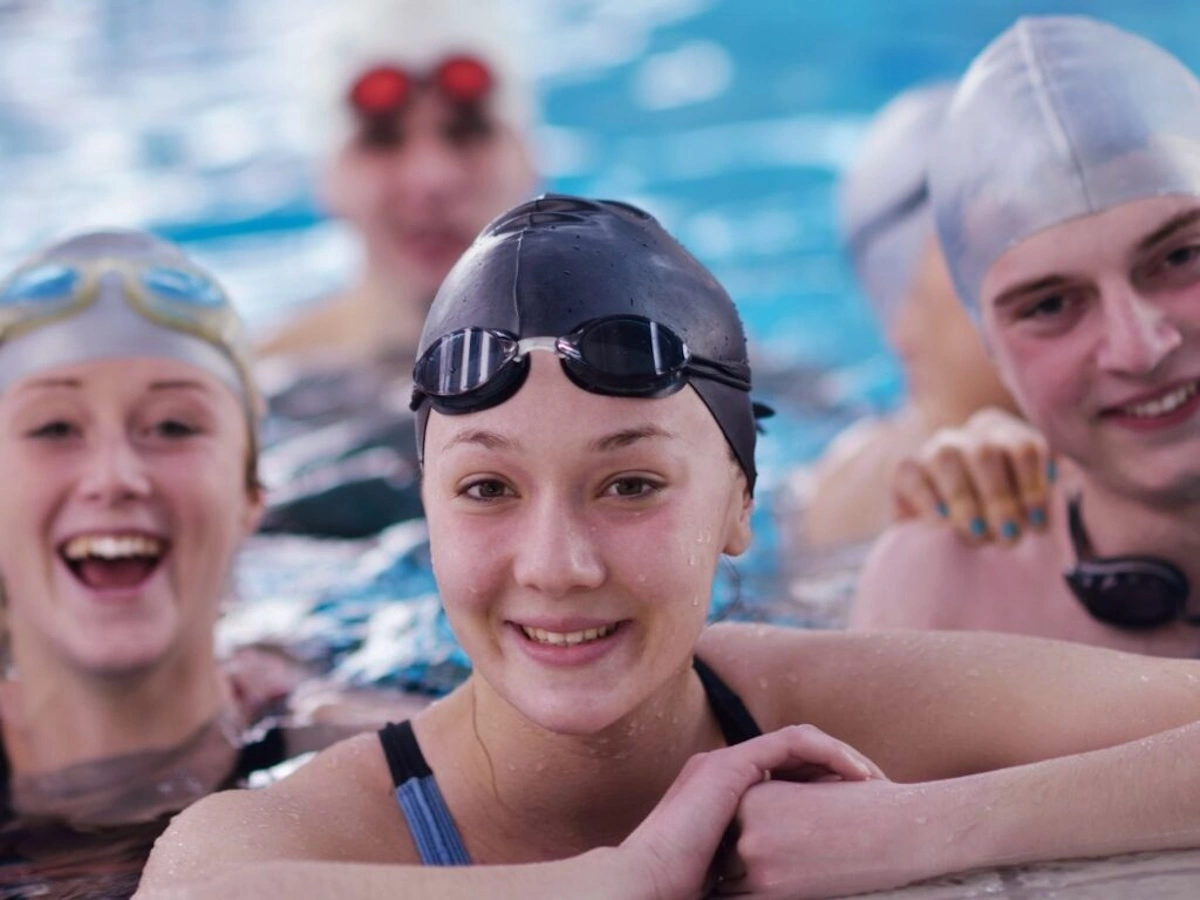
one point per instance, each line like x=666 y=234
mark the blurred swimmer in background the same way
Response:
x=1065 y=185
x=429 y=113
x=887 y=228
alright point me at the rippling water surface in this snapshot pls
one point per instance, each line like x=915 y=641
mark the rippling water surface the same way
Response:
x=728 y=118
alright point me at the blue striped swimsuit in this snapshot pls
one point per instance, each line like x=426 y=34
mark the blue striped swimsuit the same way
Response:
x=429 y=821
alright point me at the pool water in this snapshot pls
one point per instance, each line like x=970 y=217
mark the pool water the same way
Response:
x=729 y=119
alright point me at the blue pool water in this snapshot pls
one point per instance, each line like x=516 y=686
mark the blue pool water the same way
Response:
x=728 y=118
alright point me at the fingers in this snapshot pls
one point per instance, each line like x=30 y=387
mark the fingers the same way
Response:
x=705 y=796
x=990 y=478
x=818 y=755
x=913 y=494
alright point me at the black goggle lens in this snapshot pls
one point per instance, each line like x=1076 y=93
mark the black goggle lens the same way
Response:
x=621 y=355
x=626 y=355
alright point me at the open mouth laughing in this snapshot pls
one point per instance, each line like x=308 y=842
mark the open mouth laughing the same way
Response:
x=106 y=561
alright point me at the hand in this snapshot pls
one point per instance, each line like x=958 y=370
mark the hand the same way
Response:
x=674 y=846
x=990 y=478
x=824 y=840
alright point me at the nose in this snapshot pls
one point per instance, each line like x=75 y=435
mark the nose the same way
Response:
x=428 y=170
x=557 y=553
x=114 y=472
x=1137 y=334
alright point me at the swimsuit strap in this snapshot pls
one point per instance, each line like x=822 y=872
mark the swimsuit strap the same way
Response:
x=735 y=720
x=429 y=821
x=434 y=833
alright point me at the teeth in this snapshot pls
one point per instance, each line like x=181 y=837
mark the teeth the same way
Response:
x=112 y=546
x=1162 y=405
x=567 y=638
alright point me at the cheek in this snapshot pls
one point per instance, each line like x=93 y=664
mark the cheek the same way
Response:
x=1044 y=376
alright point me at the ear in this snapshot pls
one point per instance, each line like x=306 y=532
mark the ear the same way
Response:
x=738 y=537
x=256 y=504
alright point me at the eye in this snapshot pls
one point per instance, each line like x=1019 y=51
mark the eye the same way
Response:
x=467 y=127
x=56 y=430
x=632 y=486
x=1182 y=256
x=488 y=489
x=174 y=429
x=1045 y=308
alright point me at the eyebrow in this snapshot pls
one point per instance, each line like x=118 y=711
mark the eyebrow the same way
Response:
x=179 y=384
x=53 y=383
x=1168 y=228
x=489 y=440
x=627 y=436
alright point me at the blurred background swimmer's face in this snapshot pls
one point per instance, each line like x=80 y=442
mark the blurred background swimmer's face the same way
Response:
x=125 y=500
x=605 y=532
x=420 y=182
x=946 y=366
x=1095 y=327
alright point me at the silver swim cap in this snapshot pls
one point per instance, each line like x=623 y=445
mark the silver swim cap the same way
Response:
x=1059 y=117
x=114 y=294
x=883 y=199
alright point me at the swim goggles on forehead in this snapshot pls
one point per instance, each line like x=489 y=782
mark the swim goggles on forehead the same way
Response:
x=622 y=356
x=1131 y=592
x=384 y=90
x=177 y=296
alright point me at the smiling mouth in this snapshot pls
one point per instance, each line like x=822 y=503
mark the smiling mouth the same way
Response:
x=106 y=561
x=567 y=638
x=1159 y=406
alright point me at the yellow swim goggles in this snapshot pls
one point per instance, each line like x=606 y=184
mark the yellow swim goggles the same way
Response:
x=177 y=296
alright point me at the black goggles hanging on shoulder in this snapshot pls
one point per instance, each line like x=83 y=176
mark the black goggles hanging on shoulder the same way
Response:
x=1131 y=592
x=622 y=356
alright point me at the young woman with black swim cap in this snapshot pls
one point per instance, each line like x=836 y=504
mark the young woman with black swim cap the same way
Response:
x=588 y=441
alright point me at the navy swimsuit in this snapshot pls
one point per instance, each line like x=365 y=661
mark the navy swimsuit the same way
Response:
x=433 y=830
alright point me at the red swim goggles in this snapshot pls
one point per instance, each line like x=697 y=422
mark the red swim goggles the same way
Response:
x=384 y=90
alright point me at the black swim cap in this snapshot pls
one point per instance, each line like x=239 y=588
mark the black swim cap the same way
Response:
x=545 y=267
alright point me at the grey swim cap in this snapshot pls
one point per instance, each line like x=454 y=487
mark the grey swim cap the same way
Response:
x=35 y=334
x=1059 y=117
x=547 y=266
x=883 y=199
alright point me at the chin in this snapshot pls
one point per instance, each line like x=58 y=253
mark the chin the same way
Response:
x=574 y=714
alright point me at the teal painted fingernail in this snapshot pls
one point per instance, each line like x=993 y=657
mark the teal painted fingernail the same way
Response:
x=978 y=527
x=943 y=510
x=1009 y=530
x=1037 y=516
x=1052 y=471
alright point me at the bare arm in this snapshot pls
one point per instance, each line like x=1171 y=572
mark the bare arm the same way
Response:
x=930 y=705
x=821 y=840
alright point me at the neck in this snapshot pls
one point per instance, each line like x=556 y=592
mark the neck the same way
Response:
x=55 y=717
x=1120 y=525
x=392 y=313
x=555 y=794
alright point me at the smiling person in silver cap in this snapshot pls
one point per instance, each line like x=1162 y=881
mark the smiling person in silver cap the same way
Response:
x=887 y=227
x=1066 y=188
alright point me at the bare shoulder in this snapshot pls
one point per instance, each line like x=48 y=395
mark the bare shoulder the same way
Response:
x=916 y=576
x=848 y=497
x=318 y=326
x=337 y=807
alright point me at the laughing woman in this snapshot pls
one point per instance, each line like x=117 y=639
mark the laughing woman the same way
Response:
x=128 y=452
x=588 y=438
